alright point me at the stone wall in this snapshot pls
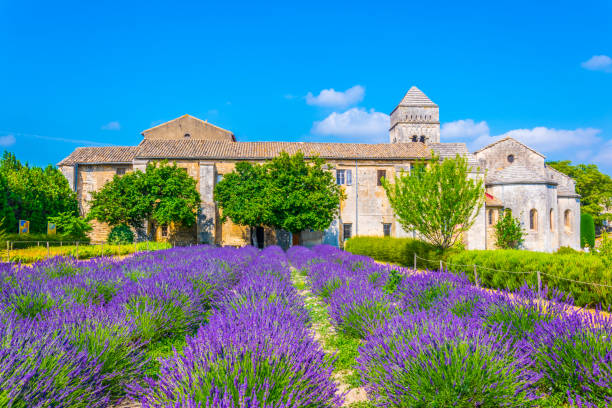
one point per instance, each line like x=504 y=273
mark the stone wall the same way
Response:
x=569 y=235
x=495 y=157
x=409 y=121
x=187 y=125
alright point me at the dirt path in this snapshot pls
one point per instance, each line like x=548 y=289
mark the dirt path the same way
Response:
x=325 y=334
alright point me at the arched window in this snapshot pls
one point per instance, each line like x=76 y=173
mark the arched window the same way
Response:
x=567 y=220
x=491 y=217
x=533 y=219
x=552 y=220
x=414 y=138
x=422 y=140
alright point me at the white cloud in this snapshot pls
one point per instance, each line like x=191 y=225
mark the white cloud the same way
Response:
x=604 y=155
x=356 y=123
x=8 y=140
x=464 y=128
x=540 y=138
x=114 y=125
x=330 y=98
x=598 y=63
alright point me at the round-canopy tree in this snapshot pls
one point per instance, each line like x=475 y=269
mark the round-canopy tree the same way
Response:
x=438 y=199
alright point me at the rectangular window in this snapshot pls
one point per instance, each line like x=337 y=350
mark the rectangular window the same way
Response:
x=340 y=177
x=120 y=171
x=164 y=230
x=347 y=230
x=219 y=177
x=387 y=230
x=380 y=174
x=349 y=178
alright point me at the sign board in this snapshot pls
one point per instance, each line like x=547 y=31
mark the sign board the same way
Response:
x=24 y=227
x=51 y=228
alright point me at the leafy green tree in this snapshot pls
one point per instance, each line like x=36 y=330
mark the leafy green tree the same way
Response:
x=243 y=195
x=164 y=194
x=440 y=201
x=173 y=195
x=302 y=194
x=34 y=193
x=508 y=231
x=121 y=234
x=594 y=187
x=587 y=231
x=123 y=200
x=71 y=225
x=287 y=192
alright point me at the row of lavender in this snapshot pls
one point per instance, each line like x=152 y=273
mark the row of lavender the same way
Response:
x=433 y=339
x=256 y=351
x=79 y=334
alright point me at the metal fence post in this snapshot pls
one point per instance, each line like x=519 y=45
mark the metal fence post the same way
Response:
x=440 y=265
x=147 y=245
x=539 y=286
x=102 y=250
x=415 y=265
x=476 y=276
x=48 y=252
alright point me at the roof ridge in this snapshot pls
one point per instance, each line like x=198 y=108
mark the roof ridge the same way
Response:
x=509 y=138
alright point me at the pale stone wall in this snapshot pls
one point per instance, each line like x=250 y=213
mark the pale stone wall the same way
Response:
x=187 y=125
x=569 y=235
x=69 y=173
x=495 y=157
x=409 y=121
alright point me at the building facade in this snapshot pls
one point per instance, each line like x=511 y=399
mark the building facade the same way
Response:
x=207 y=152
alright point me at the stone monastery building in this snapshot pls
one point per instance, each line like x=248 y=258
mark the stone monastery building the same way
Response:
x=516 y=177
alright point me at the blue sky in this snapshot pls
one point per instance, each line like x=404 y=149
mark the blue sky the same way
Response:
x=98 y=73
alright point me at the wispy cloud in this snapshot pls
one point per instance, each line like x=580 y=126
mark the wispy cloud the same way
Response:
x=357 y=124
x=114 y=125
x=330 y=98
x=598 y=63
x=15 y=135
x=8 y=140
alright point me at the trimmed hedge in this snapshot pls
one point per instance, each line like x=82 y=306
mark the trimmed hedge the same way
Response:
x=577 y=266
x=587 y=231
x=29 y=240
x=396 y=250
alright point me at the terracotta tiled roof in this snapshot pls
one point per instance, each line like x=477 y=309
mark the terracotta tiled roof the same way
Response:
x=107 y=154
x=450 y=150
x=517 y=174
x=208 y=149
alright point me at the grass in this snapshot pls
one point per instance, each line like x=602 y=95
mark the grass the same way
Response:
x=344 y=348
x=39 y=253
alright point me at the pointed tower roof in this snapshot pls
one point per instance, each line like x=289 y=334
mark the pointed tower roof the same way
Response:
x=416 y=97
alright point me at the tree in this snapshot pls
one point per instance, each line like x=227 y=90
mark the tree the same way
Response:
x=587 y=231
x=440 y=200
x=164 y=194
x=594 y=187
x=71 y=225
x=173 y=195
x=243 y=195
x=288 y=193
x=302 y=194
x=123 y=200
x=34 y=193
x=508 y=231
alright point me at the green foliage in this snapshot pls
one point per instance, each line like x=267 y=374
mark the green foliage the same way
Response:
x=441 y=202
x=361 y=318
x=594 y=187
x=164 y=193
x=397 y=250
x=587 y=231
x=555 y=268
x=121 y=234
x=508 y=231
x=32 y=193
x=71 y=226
x=605 y=249
x=288 y=193
x=393 y=282
x=564 y=250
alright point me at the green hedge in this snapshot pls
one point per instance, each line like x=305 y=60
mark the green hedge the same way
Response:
x=587 y=231
x=19 y=241
x=396 y=250
x=577 y=266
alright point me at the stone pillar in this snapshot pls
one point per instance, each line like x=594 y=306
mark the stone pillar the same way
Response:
x=208 y=209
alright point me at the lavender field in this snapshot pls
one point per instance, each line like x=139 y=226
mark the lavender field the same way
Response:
x=227 y=327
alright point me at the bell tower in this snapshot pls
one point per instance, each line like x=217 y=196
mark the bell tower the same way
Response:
x=415 y=119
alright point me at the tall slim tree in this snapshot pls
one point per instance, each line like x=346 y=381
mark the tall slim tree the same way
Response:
x=438 y=199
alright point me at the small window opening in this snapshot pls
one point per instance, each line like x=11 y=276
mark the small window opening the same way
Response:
x=387 y=230
x=422 y=139
x=120 y=171
x=380 y=175
x=510 y=158
x=533 y=220
x=347 y=230
x=187 y=135
x=164 y=230
x=552 y=220
x=414 y=138
x=567 y=218
x=339 y=177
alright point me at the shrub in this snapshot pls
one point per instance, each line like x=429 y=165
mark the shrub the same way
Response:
x=121 y=234
x=495 y=270
x=587 y=231
x=508 y=231
x=397 y=250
